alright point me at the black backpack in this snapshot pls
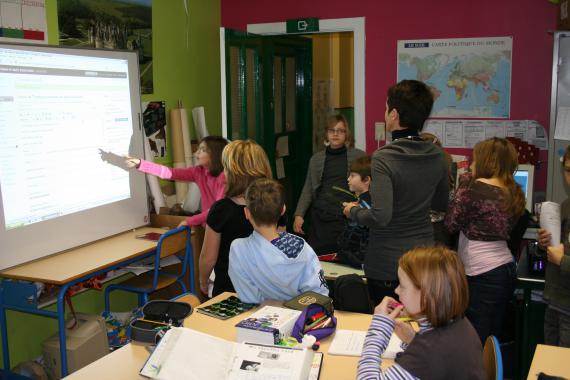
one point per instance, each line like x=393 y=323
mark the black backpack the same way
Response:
x=351 y=294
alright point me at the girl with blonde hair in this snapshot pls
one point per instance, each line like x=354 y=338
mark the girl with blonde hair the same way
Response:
x=244 y=161
x=486 y=206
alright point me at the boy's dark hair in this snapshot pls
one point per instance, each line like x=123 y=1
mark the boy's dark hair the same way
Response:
x=361 y=166
x=413 y=100
x=215 y=145
x=265 y=200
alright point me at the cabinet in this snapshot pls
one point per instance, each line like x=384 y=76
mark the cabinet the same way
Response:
x=556 y=189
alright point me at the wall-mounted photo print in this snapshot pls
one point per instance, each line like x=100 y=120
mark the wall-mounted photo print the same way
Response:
x=110 y=24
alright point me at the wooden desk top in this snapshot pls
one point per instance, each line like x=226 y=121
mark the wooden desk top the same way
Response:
x=126 y=362
x=66 y=266
x=554 y=361
x=334 y=270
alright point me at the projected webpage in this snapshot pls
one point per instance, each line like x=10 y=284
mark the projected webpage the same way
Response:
x=56 y=112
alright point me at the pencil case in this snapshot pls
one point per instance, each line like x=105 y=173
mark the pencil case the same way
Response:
x=158 y=317
x=315 y=320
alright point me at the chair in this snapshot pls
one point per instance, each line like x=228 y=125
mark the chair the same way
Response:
x=173 y=242
x=189 y=298
x=492 y=359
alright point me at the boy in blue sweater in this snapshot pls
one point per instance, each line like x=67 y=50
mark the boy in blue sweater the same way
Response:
x=270 y=264
x=354 y=239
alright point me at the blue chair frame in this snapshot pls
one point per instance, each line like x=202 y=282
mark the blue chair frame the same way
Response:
x=170 y=243
x=492 y=358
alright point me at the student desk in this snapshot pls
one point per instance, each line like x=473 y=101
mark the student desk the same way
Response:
x=552 y=360
x=333 y=270
x=126 y=362
x=67 y=269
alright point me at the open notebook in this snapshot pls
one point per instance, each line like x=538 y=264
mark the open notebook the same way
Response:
x=351 y=342
x=191 y=355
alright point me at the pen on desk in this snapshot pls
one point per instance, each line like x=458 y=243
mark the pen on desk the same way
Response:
x=156 y=322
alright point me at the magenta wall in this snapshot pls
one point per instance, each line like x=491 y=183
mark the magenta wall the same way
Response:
x=528 y=21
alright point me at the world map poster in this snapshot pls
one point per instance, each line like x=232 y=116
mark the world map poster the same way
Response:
x=469 y=77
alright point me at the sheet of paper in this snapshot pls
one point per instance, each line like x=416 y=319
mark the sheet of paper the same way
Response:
x=261 y=362
x=494 y=129
x=562 y=129
x=516 y=129
x=435 y=127
x=550 y=220
x=282 y=146
x=394 y=346
x=347 y=343
x=453 y=134
x=280 y=168
x=473 y=132
x=536 y=135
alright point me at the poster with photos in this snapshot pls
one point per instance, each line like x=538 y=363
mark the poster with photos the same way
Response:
x=154 y=123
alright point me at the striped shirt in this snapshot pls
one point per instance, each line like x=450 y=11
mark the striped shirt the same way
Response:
x=375 y=344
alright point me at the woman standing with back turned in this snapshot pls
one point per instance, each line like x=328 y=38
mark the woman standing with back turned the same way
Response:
x=486 y=206
x=409 y=178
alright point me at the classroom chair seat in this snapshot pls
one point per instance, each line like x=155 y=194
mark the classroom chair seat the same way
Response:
x=492 y=359
x=190 y=298
x=173 y=242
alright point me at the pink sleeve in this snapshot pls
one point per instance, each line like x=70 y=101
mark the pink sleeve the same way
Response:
x=198 y=219
x=220 y=186
x=219 y=192
x=164 y=172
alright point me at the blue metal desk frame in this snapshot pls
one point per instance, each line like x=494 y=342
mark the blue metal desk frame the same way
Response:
x=59 y=314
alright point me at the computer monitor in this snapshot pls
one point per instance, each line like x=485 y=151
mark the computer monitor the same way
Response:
x=524 y=176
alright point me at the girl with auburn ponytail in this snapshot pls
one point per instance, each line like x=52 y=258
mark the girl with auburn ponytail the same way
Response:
x=486 y=206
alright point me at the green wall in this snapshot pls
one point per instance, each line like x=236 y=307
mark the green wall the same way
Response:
x=187 y=73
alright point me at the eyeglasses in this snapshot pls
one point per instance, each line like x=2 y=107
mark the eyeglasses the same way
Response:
x=338 y=131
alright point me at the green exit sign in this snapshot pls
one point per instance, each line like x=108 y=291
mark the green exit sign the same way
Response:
x=303 y=25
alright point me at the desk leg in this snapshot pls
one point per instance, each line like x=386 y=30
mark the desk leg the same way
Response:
x=524 y=363
x=4 y=328
x=61 y=326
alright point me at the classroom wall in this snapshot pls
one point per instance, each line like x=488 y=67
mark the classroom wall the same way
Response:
x=333 y=59
x=187 y=72
x=187 y=60
x=528 y=21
